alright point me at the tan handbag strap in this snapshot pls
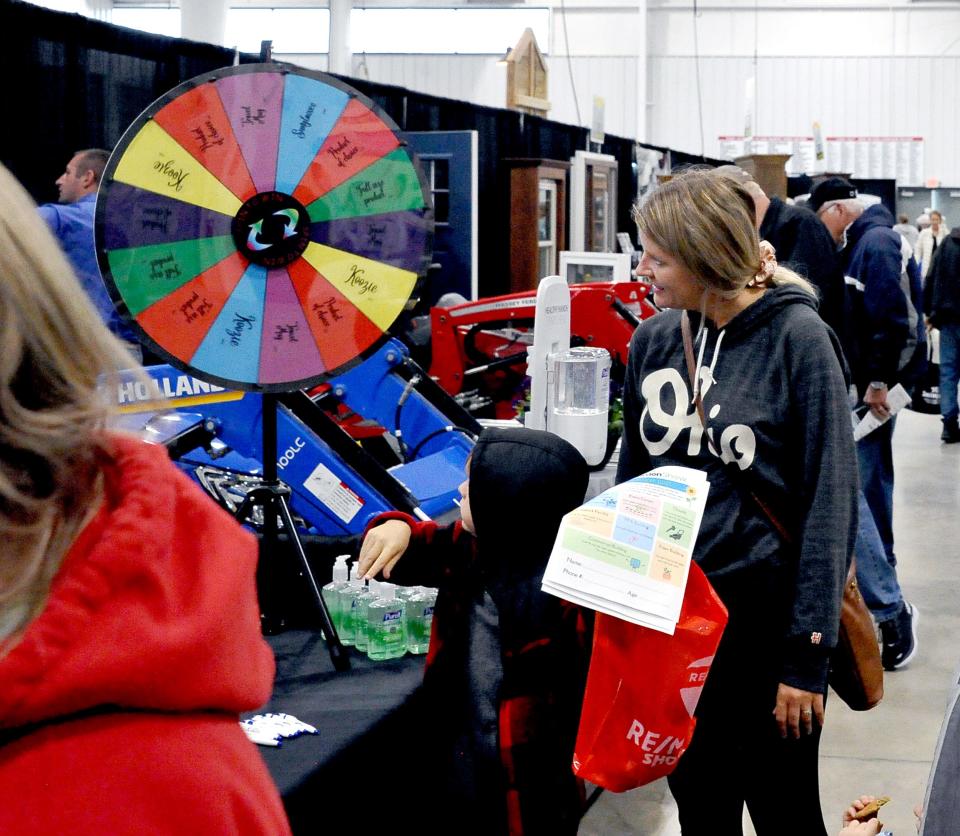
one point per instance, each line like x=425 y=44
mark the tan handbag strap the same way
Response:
x=687 y=334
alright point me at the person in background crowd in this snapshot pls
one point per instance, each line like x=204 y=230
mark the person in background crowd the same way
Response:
x=778 y=426
x=907 y=230
x=873 y=259
x=942 y=307
x=129 y=625
x=806 y=241
x=71 y=221
x=803 y=244
x=928 y=240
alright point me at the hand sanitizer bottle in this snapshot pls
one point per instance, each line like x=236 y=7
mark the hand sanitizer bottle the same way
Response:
x=420 y=619
x=331 y=591
x=364 y=599
x=348 y=608
x=385 y=624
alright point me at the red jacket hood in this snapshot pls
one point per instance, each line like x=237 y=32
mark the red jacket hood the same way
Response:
x=154 y=606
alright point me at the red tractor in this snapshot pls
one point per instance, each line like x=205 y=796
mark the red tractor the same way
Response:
x=479 y=349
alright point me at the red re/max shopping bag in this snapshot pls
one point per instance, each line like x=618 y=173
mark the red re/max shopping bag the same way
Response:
x=642 y=689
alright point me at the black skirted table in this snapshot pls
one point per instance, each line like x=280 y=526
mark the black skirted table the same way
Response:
x=368 y=719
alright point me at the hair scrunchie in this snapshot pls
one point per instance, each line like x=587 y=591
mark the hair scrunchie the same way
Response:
x=768 y=266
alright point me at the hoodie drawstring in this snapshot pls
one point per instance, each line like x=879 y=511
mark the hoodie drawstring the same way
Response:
x=713 y=363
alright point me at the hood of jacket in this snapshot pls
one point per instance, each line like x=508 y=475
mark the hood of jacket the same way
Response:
x=873 y=217
x=758 y=314
x=522 y=482
x=154 y=606
x=710 y=341
x=955 y=233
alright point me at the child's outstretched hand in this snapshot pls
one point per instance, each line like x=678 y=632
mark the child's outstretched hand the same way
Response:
x=383 y=547
x=862 y=828
x=852 y=826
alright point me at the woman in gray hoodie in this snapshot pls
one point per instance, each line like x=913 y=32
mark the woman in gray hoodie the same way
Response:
x=778 y=429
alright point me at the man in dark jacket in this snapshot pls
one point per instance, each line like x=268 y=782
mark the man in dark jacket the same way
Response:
x=941 y=297
x=804 y=245
x=881 y=346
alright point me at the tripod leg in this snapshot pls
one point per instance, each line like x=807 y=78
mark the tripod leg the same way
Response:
x=272 y=620
x=338 y=654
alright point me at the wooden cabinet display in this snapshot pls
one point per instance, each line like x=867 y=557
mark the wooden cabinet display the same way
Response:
x=538 y=200
x=593 y=203
x=769 y=171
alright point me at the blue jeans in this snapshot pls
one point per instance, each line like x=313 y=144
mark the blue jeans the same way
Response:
x=875 y=454
x=876 y=577
x=949 y=369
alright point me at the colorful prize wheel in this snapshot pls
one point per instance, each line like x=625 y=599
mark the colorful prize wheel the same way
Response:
x=263 y=227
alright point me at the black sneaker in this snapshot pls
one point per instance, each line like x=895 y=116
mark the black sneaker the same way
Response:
x=951 y=430
x=899 y=638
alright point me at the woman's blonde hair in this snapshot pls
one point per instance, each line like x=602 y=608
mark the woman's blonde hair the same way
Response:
x=54 y=351
x=708 y=222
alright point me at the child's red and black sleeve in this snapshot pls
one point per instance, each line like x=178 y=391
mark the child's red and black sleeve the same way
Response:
x=428 y=557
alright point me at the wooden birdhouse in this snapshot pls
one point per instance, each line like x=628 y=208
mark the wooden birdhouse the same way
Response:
x=527 y=77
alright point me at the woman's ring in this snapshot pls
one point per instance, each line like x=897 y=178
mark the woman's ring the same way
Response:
x=807 y=712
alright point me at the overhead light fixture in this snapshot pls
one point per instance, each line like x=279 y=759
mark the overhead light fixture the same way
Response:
x=502 y=61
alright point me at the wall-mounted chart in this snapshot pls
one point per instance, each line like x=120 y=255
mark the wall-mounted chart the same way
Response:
x=263 y=226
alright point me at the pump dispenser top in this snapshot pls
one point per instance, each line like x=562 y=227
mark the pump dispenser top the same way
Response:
x=340 y=570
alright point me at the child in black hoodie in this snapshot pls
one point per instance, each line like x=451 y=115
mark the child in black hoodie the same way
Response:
x=507 y=662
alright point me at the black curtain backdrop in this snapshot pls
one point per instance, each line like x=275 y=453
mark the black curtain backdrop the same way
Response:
x=78 y=83
x=75 y=83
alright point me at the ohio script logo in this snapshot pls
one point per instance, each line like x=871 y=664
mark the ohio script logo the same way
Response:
x=737 y=443
x=271 y=229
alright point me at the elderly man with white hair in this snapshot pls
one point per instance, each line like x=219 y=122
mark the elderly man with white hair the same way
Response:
x=883 y=343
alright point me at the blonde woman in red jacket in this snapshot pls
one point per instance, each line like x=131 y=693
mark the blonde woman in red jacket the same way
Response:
x=128 y=613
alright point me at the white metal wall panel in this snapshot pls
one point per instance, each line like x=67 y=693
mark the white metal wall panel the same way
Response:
x=849 y=96
x=478 y=79
x=880 y=96
x=612 y=78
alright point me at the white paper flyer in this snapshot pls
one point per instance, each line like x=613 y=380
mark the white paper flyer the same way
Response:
x=897 y=399
x=627 y=552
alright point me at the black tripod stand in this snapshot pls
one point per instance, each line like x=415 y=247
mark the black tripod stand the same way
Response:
x=273 y=498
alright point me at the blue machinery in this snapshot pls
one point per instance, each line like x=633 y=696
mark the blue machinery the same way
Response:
x=336 y=486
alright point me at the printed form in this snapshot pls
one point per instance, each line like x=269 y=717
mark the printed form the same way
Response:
x=627 y=552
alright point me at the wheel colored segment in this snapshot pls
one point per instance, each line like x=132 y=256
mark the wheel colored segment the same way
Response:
x=397 y=238
x=358 y=139
x=341 y=331
x=254 y=103
x=199 y=123
x=143 y=275
x=378 y=290
x=310 y=110
x=155 y=161
x=389 y=185
x=232 y=344
x=135 y=218
x=288 y=350
x=180 y=320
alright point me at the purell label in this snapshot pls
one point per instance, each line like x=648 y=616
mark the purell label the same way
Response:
x=393 y=615
x=428 y=612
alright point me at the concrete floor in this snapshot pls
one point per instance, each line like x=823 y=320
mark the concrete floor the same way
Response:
x=886 y=751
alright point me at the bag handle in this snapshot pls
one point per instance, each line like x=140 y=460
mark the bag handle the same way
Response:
x=686 y=332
